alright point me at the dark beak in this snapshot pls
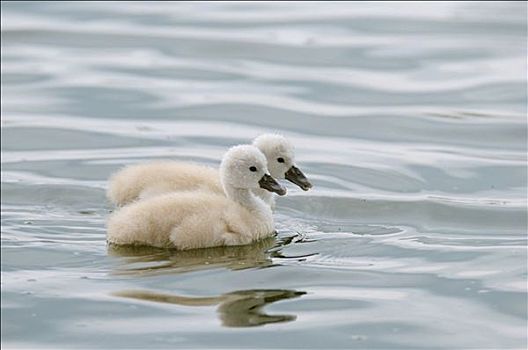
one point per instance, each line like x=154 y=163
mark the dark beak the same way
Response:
x=297 y=177
x=269 y=183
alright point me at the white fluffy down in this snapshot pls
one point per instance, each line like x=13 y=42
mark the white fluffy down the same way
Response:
x=202 y=218
x=146 y=180
x=151 y=179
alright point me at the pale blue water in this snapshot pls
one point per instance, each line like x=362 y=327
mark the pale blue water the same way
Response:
x=409 y=118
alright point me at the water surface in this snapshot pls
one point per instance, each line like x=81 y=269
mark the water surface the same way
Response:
x=409 y=118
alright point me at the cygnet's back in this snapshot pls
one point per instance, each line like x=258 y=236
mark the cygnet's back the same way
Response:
x=150 y=179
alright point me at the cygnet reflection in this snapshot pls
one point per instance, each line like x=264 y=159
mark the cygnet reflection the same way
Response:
x=235 y=309
x=149 y=260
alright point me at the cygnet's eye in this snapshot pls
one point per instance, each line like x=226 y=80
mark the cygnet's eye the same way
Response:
x=252 y=168
x=280 y=160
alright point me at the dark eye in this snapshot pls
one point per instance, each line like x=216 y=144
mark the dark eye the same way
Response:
x=280 y=160
x=252 y=168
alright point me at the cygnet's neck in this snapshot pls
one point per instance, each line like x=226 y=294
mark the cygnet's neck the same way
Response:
x=266 y=196
x=245 y=198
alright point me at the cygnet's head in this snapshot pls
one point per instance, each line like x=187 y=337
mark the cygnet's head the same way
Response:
x=281 y=159
x=244 y=167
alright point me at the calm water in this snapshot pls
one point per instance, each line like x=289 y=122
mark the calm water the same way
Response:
x=409 y=118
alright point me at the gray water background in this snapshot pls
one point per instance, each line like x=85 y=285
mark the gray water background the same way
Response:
x=410 y=119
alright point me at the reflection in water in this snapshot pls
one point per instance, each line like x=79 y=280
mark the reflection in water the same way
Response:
x=149 y=260
x=236 y=309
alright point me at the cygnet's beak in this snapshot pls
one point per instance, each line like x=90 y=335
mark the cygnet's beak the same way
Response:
x=297 y=177
x=269 y=183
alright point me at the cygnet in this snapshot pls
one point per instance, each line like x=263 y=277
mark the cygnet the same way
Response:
x=201 y=218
